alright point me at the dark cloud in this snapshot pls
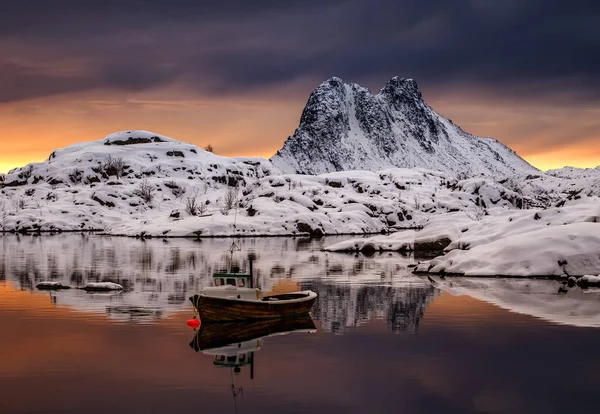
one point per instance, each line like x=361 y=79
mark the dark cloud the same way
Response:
x=531 y=48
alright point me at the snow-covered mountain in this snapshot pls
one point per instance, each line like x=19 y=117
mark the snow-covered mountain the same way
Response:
x=141 y=183
x=345 y=127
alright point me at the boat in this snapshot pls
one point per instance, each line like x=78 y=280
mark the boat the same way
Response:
x=234 y=298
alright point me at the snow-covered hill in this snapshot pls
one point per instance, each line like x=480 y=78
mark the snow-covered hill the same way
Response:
x=345 y=127
x=574 y=173
x=555 y=187
x=142 y=184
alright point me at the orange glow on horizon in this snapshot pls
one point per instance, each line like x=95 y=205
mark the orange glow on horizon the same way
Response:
x=546 y=136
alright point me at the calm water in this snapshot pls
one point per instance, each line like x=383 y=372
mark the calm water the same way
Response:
x=383 y=340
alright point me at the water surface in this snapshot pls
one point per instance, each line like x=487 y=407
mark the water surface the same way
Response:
x=384 y=340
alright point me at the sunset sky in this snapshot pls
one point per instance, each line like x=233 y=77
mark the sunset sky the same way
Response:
x=236 y=74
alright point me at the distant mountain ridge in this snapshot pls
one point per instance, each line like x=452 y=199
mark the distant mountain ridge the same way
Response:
x=346 y=127
x=575 y=172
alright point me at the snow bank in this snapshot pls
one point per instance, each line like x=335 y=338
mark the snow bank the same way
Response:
x=401 y=241
x=459 y=230
x=570 y=249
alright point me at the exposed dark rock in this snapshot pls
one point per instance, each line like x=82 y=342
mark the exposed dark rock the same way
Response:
x=109 y=204
x=302 y=227
x=175 y=154
x=133 y=141
x=432 y=245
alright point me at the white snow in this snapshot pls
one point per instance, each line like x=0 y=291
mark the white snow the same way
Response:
x=570 y=249
x=401 y=241
x=536 y=242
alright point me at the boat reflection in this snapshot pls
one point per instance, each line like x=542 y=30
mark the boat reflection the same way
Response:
x=234 y=344
x=226 y=339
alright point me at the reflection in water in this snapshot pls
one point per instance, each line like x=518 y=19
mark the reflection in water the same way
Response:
x=466 y=356
x=233 y=345
x=545 y=299
x=158 y=276
x=216 y=337
x=402 y=307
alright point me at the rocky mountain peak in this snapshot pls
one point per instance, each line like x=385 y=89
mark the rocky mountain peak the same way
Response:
x=328 y=97
x=346 y=127
x=401 y=90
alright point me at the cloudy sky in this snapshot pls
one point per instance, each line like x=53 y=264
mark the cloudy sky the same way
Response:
x=236 y=74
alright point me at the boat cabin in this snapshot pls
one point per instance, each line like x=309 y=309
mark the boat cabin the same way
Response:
x=233 y=286
x=233 y=279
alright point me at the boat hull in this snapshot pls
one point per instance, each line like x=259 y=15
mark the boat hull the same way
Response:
x=218 y=309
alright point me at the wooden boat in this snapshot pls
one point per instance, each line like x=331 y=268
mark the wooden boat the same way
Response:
x=234 y=307
x=234 y=298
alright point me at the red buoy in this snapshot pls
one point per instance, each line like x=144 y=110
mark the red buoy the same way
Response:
x=193 y=323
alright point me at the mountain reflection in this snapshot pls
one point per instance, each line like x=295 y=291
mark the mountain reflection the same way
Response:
x=344 y=306
x=158 y=276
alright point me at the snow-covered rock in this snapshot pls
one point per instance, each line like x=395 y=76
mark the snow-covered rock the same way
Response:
x=401 y=241
x=589 y=280
x=570 y=249
x=464 y=230
x=576 y=173
x=346 y=127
